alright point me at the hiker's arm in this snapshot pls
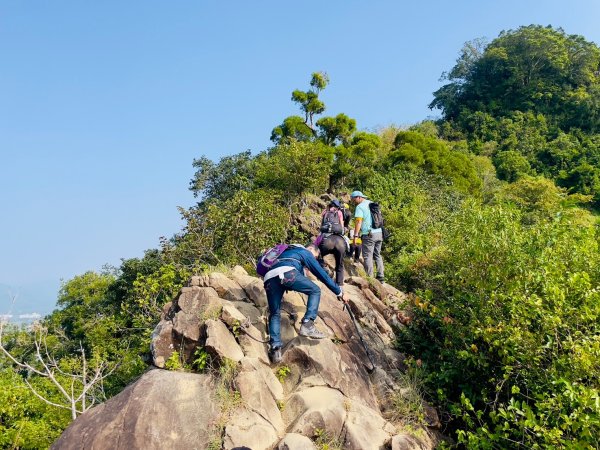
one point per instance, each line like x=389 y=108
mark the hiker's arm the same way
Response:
x=315 y=268
x=357 y=225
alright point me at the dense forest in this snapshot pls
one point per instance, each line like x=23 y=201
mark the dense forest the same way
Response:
x=493 y=213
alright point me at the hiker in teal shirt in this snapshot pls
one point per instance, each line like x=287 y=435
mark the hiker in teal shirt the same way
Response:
x=372 y=238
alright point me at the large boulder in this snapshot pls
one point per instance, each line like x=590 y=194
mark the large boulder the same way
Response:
x=316 y=408
x=334 y=365
x=295 y=441
x=161 y=410
x=249 y=430
x=260 y=391
x=221 y=343
x=252 y=286
x=226 y=288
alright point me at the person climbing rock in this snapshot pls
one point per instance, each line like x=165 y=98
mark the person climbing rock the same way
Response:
x=372 y=238
x=287 y=274
x=331 y=240
x=336 y=245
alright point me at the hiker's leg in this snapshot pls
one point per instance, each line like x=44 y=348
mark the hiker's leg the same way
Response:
x=378 y=238
x=368 y=245
x=325 y=249
x=340 y=250
x=357 y=252
x=275 y=292
x=302 y=284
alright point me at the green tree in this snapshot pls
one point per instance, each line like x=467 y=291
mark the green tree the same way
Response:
x=236 y=230
x=415 y=150
x=357 y=161
x=26 y=422
x=511 y=165
x=294 y=127
x=338 y=129
x=309 y=101
x=533 y=68
x=295 y=169
x=223 y=179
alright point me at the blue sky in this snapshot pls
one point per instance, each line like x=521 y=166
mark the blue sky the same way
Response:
x=104 y=105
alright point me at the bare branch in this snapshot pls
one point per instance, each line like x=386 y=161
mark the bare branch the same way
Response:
x=77 y=399
x=45 y=400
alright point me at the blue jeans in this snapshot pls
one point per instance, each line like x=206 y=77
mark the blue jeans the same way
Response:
x=276 y=287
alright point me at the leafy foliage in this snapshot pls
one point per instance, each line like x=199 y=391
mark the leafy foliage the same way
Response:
x=295 y=169
x=416 y=150
x=507 y=328
x=530 y=99
x=25 y=421
x=533 y=68
x=234 y=231
x=222 y=180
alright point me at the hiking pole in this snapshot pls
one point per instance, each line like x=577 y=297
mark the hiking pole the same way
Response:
x=367 y=351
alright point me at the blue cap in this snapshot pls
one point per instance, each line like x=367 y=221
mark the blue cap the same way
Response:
x=335 y=202
x=358 y=194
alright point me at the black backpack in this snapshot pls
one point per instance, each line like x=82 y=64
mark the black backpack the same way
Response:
x=347 y=216
x=331 y=223
x=376 y=216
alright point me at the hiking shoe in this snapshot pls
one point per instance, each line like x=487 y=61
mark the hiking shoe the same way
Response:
x=308 y=329
x=275 y=355
x=380 y=279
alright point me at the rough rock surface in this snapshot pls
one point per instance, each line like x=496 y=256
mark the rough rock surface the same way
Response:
x=295 y=441
x=143 y=416
x=323 y=388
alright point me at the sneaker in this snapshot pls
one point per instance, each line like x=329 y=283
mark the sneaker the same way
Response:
x=275 y=355
x=308 y=329
x=380 y=279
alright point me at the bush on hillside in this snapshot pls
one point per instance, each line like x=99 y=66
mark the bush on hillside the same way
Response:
x=415 y=150
x=507 y=325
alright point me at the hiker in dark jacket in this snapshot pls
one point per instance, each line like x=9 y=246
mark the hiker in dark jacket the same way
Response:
x=331 y=240
x=287 y=274
x=334 y=244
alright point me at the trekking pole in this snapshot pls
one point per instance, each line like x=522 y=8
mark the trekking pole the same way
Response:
x=367 y=351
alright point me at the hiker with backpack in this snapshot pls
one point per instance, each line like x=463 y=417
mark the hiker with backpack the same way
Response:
x=332 y=241
x=369 y=227
x=282 y=268
x=332 y=218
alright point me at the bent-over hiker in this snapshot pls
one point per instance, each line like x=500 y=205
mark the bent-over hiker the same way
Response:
x=287 y=274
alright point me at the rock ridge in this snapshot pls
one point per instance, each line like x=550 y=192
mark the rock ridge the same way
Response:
x=323 y=391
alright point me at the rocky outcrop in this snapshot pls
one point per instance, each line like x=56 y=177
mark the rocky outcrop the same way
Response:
x=324 y=391
x=143 y=416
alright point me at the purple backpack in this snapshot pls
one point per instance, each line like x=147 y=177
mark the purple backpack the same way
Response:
x=269 y=258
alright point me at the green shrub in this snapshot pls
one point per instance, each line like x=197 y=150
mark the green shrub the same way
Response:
x=507 y=325
x=174 y=362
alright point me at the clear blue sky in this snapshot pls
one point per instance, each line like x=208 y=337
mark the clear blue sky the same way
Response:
x=104 y=105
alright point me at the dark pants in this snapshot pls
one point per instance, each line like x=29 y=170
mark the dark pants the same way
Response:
x=371 y=248
x=355 y=251
x=335 y=245
x=276 y=287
